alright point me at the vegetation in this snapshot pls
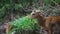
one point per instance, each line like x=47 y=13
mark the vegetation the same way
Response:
x=13 y=11
x=23 y=23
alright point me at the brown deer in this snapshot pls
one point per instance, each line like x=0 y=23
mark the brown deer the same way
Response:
x=7 y=26
x=46 y=22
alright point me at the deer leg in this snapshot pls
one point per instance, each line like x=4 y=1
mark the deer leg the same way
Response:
x=7 y=28
x=48 y=26
x=49 y=30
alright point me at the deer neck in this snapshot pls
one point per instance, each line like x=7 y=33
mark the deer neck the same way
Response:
x=41 y=21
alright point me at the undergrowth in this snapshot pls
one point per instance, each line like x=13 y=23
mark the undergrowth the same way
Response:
x=22 y=23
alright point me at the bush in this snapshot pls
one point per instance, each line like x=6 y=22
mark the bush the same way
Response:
x=23 y=23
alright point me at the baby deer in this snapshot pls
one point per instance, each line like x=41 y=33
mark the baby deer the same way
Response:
x=46 y=22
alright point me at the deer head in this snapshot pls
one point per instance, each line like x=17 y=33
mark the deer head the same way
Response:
x=35 y=13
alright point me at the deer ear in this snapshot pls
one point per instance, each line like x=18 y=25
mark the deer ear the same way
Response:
x=40 y=12
x=34 y=10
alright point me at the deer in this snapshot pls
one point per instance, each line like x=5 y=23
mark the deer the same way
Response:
x=45 y=22
x=7 y=27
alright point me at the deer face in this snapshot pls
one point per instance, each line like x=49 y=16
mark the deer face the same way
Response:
x=35 y=14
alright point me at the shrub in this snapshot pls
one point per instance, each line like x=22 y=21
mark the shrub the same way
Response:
x=23 y=23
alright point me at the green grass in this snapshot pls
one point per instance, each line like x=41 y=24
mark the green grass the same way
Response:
x=23 y=23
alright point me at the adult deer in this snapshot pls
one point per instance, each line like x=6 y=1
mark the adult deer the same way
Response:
x=46 y=22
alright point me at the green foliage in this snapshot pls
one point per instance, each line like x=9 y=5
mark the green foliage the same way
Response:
x=13 y=6
x=47 y=1
x=2 y=12
x=52 y=2
x=57 y=1
x=23 y=23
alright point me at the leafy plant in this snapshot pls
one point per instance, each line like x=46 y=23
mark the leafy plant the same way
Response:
x=23 y=23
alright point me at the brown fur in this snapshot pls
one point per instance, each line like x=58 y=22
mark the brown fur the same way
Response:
x=46 y=22
x=7 y=27
x=49 y=21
